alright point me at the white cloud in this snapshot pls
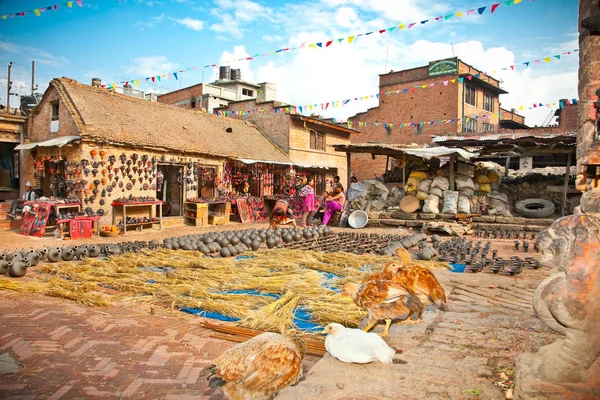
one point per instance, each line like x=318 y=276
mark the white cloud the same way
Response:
x=41 y=56
x=150 y=66
x=272 y=38
x=233 y=14
x=151 y=23
x=194 y=24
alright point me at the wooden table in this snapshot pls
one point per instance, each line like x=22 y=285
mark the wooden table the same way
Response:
x=60 y=224
x=148 y=204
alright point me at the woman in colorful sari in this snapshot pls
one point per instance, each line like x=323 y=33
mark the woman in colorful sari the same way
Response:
x=335 y=203
x=307 y=193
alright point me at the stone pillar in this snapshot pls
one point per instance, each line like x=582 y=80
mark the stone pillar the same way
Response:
x=589 y=76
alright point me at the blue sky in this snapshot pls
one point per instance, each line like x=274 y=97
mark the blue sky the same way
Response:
x=133 y=39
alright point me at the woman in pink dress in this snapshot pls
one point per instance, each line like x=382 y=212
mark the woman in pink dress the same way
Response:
x=308 y=199
x=334 y=203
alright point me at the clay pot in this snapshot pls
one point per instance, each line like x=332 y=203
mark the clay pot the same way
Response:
x=54 y=254
x=297 y=237
x=93 y=251
x=14 y=256
x=18 y=269
x=271 y=242
x=33 y=259
x=4 y=265
x=81 y=253
x=247 y=241
x=225 y=252
x=232 y=250
x=114 y=250
x=43 y=252
x=235 y=240
x=93 y=153
x=67 y=254
x=254 y=245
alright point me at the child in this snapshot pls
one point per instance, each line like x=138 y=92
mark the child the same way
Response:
x=308 y=199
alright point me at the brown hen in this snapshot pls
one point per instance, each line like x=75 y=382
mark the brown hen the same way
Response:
x=259 y=368
x=384 y=301
x=418 y=280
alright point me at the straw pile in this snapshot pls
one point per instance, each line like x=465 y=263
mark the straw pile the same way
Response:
x=179 y=279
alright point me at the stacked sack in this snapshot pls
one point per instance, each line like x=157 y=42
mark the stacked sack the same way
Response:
x=438 y=186
x=414 y=181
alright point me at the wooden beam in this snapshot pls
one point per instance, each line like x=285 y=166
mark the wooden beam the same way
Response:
x=566 y=187
x=348 y=165
x=451 y=178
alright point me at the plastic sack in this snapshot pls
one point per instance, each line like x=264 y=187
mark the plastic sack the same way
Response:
x=421 y=195
x=450 y=202
x=484 y=188
x=425 y=185
x=441 y=182
x=420 y=175
x=467 y=192
x=463 y=181
x=412 y=184
x=436 y=191
x=464 y=205
x=482 y=179
x=432 y=204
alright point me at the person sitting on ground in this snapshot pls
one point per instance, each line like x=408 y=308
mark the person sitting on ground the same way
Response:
x=334 y=203
x=281 y=215
x=18 y=204
x=318 y=215
x=336 y=181
x=307 y=193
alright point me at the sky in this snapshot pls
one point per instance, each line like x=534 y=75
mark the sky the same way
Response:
x=119 y=40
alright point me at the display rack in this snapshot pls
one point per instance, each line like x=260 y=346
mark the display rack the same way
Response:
x=196 y=214
x=149 y=204
x=222 y=209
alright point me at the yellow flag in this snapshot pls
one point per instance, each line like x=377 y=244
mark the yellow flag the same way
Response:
x=312 y=45
x=547 y=59
x=350 y=39
x=137 y=82
x=69 y=4
x=517 y=1
x=4 y=16
x=37 y=12
x=521 y=108
x=453 y=80
x=401 y=26
x=423 y=86
x=459 y=14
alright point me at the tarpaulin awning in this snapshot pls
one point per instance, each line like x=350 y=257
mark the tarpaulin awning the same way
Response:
x=431 y=152
x=56 y=142
x=397 y=150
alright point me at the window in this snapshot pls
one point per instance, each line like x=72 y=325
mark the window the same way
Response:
x=470 y=95
x=488 y=127
x=317 y=140
x=419 y=129
x=54 y=114
x=193 y=103
x=248 y=92
x=470 y=125
x=488 y=102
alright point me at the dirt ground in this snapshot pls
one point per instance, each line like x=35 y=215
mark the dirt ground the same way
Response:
x=466 y=352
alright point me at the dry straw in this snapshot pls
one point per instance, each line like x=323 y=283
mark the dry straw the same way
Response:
x=186 y=279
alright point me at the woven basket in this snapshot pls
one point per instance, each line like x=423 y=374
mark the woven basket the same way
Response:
x=109 y=234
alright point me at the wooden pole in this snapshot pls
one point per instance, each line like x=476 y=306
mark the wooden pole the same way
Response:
x=506 y=166
x=403 y=170
x=348 y=165
x=387 y=163
x=566 y=187
x=451 y=178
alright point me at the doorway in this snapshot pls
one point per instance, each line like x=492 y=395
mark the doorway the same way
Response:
x=169 y=189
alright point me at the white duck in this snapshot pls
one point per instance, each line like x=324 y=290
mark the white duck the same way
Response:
x=357 y=346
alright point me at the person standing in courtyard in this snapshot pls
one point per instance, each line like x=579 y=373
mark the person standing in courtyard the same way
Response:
x=334 y=203
x=307 y=193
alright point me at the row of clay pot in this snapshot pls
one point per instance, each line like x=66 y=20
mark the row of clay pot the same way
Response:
x=405 y=243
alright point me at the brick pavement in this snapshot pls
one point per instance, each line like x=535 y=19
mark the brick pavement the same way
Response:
x=73 y=352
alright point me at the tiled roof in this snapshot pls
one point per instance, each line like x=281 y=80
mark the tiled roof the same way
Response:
x=102 y=115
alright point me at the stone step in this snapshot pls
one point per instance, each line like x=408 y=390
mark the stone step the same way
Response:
x=9 y=224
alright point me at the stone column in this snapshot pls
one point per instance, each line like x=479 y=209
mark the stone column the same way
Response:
x=589 y=74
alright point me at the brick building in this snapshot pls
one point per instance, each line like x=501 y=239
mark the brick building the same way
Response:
x=308 y=141
x=229 y=87
x=76 y=130
x=445 y=90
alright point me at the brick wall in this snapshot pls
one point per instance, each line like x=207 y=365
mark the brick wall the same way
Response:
x=569 y=118
x=589 y=79
x=511 y=116
x=425 y=105
x=276 y=126
x=183 y=97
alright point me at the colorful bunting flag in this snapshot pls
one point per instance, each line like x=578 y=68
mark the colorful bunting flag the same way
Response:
x=38 y=11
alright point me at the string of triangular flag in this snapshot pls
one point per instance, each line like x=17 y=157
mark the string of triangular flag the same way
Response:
x=327 y=43
x=39 y=11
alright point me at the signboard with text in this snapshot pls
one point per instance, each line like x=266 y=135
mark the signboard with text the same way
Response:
x=443 y=67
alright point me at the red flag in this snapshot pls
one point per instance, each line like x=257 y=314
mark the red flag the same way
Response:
x=494 y=6
x=329 y=43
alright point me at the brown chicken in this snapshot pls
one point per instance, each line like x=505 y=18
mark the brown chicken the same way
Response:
x=259 y=368
x=417 y=279
x=384 y=301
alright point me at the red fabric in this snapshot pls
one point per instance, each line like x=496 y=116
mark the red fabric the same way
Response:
x=80 y=229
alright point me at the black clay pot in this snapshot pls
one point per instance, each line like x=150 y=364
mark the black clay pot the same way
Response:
x=4 y=265
x=94 y=251
x=225 y=252
x=54 y=254
x=81 y=253
x=68 y=254
x=271 y=242
x=33 y=259
x=18 y=269
x=43 y=252
x=255 y=245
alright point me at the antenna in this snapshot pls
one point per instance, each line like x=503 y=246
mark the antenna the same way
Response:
x=387 y=53
x=452 y=45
